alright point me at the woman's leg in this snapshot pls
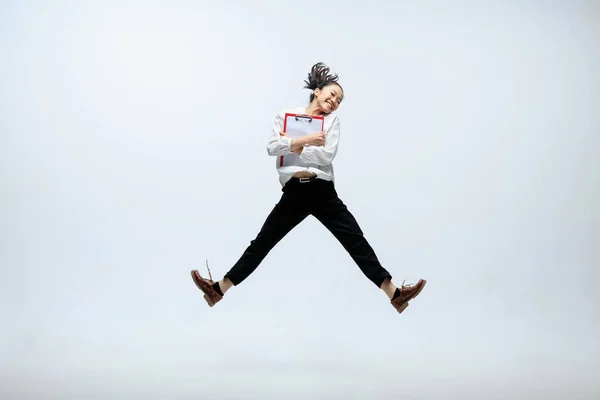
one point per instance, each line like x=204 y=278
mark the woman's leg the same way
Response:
x=286 y=214
x=336 y=217
x=389 y=288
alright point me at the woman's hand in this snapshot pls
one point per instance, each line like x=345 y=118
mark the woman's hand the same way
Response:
x=315 y=139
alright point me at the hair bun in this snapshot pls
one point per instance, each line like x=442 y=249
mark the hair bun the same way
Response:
x=319 y=77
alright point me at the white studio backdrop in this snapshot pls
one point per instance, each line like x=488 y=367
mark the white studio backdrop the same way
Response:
x=132 y=148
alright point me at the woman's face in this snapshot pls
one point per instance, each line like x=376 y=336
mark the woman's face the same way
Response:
x=329 y=98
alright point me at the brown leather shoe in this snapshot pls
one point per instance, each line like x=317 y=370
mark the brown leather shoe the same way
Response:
x=407 y=292
x=210 y=295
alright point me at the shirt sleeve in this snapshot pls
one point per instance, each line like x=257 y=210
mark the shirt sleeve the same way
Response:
x=324 y=155
x=278 y=145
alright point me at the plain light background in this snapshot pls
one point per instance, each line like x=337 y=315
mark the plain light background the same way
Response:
x=133 y=147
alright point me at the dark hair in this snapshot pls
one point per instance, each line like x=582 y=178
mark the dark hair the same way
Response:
x=319 y=77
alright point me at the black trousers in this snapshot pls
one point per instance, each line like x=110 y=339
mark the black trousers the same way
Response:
x=300 y=199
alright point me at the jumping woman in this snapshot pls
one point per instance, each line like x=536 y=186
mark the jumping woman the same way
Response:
x=310 y=191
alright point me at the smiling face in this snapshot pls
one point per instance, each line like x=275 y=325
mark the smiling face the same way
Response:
x=329 y=98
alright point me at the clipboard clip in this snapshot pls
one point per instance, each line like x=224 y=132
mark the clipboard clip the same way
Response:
x=308 y=117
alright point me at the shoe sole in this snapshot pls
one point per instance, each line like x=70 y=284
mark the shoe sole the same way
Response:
x=403 y=306
x=195 y=277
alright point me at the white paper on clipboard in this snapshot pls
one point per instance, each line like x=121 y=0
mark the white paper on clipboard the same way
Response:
x=297 y=125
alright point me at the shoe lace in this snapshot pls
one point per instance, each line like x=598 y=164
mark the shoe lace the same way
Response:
x=209 y=274
x=403 y=286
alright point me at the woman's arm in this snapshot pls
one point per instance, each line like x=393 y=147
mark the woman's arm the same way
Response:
x=298 y=143
x=279 y=145
x=324 y=155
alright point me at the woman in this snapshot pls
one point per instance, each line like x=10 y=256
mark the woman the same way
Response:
x=310 y=191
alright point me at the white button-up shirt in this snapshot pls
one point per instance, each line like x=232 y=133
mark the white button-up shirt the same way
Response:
x=320 y=157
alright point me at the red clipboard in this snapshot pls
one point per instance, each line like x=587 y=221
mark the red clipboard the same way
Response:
x=297 y=125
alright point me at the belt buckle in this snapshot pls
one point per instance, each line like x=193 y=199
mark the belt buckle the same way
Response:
x=305 y=180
